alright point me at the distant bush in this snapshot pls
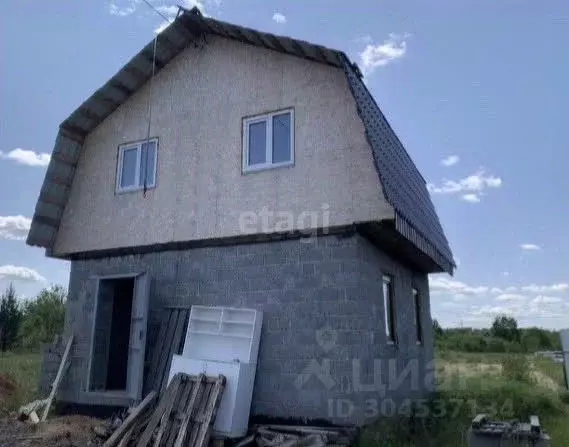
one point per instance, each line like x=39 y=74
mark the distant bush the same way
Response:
x=503 y=336
x=43 y=317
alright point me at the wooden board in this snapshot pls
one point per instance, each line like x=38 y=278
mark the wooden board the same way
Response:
x=182 y=315
x=60 y=372
x=130 y=421
x=185 y=413
x=168 y=342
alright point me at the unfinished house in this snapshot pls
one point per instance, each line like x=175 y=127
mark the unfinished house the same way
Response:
x=231 y=167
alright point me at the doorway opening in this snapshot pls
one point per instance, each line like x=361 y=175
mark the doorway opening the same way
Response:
x=112 y=335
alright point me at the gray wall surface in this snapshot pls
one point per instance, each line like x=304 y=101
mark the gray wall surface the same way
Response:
x=323 y=345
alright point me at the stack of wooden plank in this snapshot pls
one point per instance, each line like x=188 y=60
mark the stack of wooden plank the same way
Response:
x=169 y=341
x=183 y=416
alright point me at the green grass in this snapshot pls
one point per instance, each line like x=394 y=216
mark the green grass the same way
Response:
x=551 y=369
x=24 y=369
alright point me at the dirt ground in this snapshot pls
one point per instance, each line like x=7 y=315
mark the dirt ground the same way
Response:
x=64 y=431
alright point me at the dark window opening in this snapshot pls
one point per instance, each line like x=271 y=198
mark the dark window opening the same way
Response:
x=389 y=308
x=111 y=338
x=418 y=323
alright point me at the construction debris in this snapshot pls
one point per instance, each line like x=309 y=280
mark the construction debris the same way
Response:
x=299 y=436
x=25 y=412
x=183 y=416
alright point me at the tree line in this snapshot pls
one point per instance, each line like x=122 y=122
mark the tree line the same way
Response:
x=503 y=336
x=24 y=324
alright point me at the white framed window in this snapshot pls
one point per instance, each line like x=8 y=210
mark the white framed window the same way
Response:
x=389 y=308
x=136 y=166
x=268 y=141
x=418 y=321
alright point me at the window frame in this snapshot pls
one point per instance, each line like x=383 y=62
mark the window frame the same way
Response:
x=138 y=146
x=417 y=310
x=268 y=119
x=389 y=318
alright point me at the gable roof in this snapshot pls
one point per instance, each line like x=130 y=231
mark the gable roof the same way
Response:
x=403 y=185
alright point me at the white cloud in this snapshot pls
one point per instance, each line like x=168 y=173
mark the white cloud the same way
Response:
x=530 y=247
x=13 y=273
x=451 y=160
x=26 y=157
x=471 y=197
x=510 y=297
x=543 y=299
x=373 y=56
x=443 y=284
x=123 y=11
x=168 y=10
x=534 y=288
x=14 y=227
x=457 y=303
x=470 y=188
x=279 y=18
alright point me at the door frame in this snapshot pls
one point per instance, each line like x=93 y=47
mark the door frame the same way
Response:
x=98 y=279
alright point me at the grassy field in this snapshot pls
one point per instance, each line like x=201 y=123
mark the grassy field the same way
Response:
x=24 y=370
x=502 y=385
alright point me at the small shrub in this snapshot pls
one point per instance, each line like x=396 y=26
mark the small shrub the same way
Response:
x=517 y=368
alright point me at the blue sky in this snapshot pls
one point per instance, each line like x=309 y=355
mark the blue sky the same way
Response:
x=477 y=91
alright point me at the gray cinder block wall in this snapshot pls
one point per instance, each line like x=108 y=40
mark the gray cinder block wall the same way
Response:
x=323 y=352
x=50 y=360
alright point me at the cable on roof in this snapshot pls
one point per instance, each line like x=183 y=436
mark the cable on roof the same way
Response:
x=149 y=115
x=145 y=185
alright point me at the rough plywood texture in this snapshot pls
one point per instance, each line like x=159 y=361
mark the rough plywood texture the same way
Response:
x=331 y=283
x=197 y=116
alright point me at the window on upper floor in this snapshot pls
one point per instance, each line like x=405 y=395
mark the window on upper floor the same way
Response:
x=389 y=308
x=136 y=167
x=268 y=141
x=418 y=321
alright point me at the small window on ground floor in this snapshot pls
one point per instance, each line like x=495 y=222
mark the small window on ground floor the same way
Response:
x=389 y=308
x=136 y=168
x=268 y=140
x=418 y=322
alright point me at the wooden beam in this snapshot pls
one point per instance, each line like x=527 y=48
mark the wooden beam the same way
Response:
x=62 y=368
x=130 y=420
